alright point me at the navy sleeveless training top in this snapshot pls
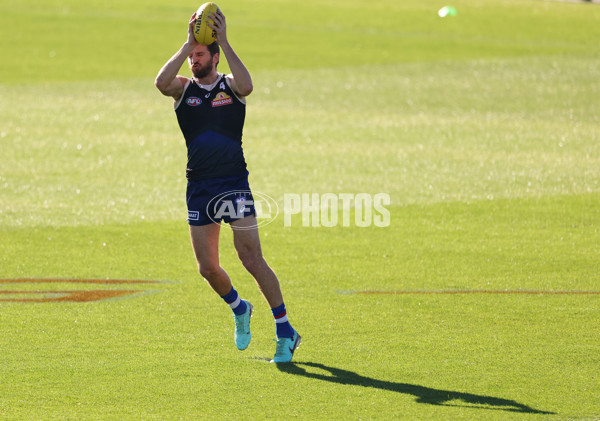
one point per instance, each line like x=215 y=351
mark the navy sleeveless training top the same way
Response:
x=211 y=118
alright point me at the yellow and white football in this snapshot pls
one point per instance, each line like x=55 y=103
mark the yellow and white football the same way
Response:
x=203 y=33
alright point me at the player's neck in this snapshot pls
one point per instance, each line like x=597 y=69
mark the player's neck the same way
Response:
x=208 y=79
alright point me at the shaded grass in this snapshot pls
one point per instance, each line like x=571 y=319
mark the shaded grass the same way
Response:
x=68 y=40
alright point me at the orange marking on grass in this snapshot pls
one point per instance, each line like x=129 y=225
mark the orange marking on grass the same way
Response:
x=73 y=296
x=458 y=291
x=67 y=296
x=74 y=281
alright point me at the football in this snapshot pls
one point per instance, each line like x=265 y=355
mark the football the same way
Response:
x=203 y=33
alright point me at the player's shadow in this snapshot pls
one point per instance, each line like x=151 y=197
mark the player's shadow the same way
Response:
x=423 y=394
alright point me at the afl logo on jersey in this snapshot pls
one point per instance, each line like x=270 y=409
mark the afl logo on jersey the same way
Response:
x=193 y=101
x=221 y=99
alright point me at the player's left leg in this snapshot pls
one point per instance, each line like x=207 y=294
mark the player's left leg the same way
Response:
x=247 y=245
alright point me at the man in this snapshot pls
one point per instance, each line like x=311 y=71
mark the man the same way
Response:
x=210 y=109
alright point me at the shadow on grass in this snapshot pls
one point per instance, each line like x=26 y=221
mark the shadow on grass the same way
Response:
x=423 y=394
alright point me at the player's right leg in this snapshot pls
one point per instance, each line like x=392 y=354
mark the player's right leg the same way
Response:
x=205 y=242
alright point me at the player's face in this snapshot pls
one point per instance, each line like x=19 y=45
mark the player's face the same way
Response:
x=201 y=62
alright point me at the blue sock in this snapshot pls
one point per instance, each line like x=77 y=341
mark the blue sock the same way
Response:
x=235 y=302
x=282 y=325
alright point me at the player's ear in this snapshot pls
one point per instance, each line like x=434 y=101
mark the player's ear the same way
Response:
x=216 y=59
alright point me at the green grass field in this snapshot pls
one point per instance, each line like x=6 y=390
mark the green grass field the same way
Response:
x=483 y=128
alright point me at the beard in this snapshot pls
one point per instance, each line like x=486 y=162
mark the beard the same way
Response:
x=203 y=71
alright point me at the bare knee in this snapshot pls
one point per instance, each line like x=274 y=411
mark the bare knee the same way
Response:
x=209 y=272
x=251 y=260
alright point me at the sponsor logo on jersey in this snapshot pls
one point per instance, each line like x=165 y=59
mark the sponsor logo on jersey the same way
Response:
x=193 y=101
x=222 y=99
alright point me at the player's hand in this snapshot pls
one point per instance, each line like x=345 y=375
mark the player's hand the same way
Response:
x=220 y=26
x=191 y=39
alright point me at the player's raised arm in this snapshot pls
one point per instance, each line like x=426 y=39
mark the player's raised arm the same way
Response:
x=241 y=82
x=167 y=81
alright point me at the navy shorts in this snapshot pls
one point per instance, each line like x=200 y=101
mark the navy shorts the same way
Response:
x=224 y=199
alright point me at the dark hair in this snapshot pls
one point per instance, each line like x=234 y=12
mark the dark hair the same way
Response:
x=214 y=49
